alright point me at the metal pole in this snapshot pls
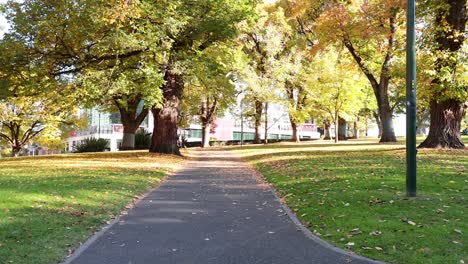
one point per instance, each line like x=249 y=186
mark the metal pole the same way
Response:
x=99 y=124
x=410 y=100
x=242 y=124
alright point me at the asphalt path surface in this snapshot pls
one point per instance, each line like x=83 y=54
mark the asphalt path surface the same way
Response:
x=214 y=210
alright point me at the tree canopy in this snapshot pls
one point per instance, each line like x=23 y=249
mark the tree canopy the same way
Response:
x=182 y=60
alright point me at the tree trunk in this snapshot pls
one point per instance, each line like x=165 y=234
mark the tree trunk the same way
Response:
x=327 y=130
x=355 y=130
x=128 y=140
x=258 y=120
x=166 y=119
x=446 y=116
x=129 y=129
x=444 y=131
x=337 y=126
x=15 y=151
x=386 y=119
x=379 y=124
x=131 y=119
x=206 y=117
x=205 y=136
x=295 y=135
x=342 y=128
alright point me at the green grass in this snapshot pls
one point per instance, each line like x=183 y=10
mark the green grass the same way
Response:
x=48 y=205
x=352 y=195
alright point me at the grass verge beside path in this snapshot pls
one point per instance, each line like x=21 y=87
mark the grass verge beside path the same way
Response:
x=353 y=195
x=48 y=205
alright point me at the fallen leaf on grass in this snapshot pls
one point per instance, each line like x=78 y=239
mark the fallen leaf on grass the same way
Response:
x=355 y=232
x=424 y=250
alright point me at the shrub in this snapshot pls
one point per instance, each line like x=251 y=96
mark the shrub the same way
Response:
x=142 y=139
x=92 y=145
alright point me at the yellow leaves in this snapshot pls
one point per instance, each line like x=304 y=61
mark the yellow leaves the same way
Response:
x=364 y=20
x=120 y=11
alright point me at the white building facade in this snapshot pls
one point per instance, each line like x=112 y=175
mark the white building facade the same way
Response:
x=224 y=129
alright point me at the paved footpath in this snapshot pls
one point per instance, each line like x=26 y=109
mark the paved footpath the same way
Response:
x=214 y=210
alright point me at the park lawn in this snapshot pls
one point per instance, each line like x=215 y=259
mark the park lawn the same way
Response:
x=352 y=195
x=48 y=205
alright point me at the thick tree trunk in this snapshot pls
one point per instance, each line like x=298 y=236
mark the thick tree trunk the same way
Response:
x=128 y=140
x=388 y=133
x=295 y=135
x=444 y=131
x=207 y=112
x=342 y=128
x=15 y=151
x=336 y=122
x=258 y=121
x=337 y=127
x=129 y=129
x=327 y=130
x=446 y=116
x=131 y=119
x=386 y=119
x=205 y=136
x=166 y=119
x=356 y=131
x=379 y=124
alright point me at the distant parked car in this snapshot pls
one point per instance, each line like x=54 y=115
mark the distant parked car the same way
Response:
x=465 y=132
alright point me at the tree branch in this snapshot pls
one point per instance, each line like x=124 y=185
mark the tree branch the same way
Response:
x=349 y=45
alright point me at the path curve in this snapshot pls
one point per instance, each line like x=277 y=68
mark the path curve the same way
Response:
x=214 y=210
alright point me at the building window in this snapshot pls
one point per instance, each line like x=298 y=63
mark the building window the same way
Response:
x=273 y=136
x=195 y=133
x=247 y=136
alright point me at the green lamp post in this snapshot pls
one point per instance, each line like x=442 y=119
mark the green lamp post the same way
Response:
x=410 y=100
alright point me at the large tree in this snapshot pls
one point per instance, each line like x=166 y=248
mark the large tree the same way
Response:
x=264 y=43
x=298 y=93
x=105 y=49
x=30 y=101
x=130 y=88
x=204 y=24
x=26 y=117
x=72 y=37
x=338 y=89
x=447 y=91
x=210 y=89
x=369 y=30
